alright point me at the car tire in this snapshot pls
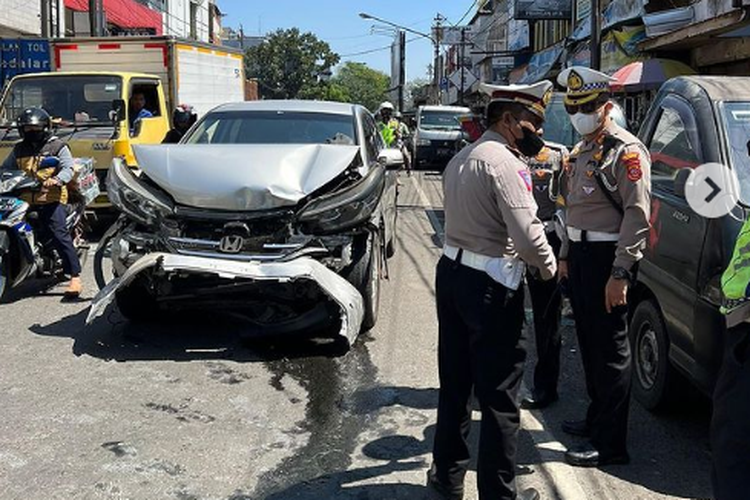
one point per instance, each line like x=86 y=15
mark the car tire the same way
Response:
x=4 y=277
x=653 y=374
x=364 y=274
x=136 y=303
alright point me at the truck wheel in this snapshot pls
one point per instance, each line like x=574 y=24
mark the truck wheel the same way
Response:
x=364 y=274
x=653 y=374
x=136 y=303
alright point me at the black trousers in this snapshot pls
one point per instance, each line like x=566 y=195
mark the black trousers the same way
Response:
x=730 y=425
x=52 y=225
x=604 y=345
x=546 y=301
x=481 y=347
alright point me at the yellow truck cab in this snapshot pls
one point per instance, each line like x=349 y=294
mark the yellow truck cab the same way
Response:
x=92 y=111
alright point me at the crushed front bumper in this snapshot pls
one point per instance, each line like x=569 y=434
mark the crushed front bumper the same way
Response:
x=335 y=287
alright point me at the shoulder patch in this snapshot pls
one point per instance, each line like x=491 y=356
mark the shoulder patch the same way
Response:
x=526 y=176
x=632 y=164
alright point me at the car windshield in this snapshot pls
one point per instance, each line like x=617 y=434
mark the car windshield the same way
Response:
x=446 y=120
x=557 y=125
x=736 y=118
x=273 y=127
x=66 y=98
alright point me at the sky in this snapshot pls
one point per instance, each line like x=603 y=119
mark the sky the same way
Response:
x=338 y=23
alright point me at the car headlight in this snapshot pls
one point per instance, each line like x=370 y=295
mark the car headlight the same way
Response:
x=344 y=209
x=143 y=204
x=424 y=142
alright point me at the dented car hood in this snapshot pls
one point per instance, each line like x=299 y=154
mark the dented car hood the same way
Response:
x=243 y=176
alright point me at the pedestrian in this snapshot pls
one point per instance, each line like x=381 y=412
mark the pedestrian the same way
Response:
x=608 y=190
x=730 y=424
x=546 y=298
x=491 y=234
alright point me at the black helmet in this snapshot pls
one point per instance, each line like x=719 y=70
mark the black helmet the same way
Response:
x=35 y=117
x=184 y=116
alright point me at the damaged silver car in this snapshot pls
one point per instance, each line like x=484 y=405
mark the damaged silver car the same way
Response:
x=283 y=211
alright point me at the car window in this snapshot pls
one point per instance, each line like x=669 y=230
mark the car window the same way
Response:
x=373 y=140
x=736 y=121
x=440 y=120
x=273 y=127
x=674 y=144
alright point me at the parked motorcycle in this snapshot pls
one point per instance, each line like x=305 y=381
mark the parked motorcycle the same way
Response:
x=24 y=250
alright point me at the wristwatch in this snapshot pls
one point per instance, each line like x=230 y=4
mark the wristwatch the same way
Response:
x=620 y=273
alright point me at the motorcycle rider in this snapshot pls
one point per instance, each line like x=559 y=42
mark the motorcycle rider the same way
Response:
x=183 y=117
x=402 y=140
x=46 y=158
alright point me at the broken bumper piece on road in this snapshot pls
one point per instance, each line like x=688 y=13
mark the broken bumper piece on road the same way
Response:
x=302 y=271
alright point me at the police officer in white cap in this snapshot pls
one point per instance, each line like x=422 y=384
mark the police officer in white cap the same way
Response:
x=491 y=234
x=608 y=209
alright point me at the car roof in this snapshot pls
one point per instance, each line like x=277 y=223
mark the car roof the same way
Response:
x=331 y=108
x=718 y=88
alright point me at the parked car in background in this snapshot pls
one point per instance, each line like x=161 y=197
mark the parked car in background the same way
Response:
x=283 y=211
x=437 y=134
x=676 y=325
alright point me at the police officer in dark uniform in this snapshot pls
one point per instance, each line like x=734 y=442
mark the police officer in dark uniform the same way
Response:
x=608 y=186
x=491 y=233
x=546 y=298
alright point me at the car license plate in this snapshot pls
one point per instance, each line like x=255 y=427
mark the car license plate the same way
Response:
x=444 y=152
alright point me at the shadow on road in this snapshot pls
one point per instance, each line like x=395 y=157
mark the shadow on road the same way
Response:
x=183 y=337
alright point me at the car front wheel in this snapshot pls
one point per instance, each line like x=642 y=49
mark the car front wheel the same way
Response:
x=653 y=374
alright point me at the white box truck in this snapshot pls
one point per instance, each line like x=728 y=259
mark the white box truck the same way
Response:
x=194 y=73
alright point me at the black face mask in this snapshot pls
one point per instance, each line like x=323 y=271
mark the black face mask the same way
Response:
x=530 y=144
x=35 y=136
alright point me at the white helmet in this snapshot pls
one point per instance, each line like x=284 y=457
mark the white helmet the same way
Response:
x=386 y=105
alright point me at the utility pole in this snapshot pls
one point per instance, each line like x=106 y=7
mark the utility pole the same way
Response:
x=437 y=34
x=242 y=38
x=462 y=55
x=596 y=35
x=45 y=18
x=96 y=17
x=401 y=69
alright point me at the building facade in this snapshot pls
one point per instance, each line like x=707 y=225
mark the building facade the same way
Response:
x=19 y=18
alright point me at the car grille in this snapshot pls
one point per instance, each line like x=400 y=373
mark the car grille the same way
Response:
x=260 y=237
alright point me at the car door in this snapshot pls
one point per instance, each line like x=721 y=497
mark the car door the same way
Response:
x=677 y=233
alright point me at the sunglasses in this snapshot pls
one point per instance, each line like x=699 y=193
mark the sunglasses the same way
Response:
x=586 y=108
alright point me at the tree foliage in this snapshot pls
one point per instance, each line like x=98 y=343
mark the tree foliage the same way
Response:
x=359 y=84
x=289 y=64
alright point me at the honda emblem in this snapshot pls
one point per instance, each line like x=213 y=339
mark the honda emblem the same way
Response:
x=231 y=243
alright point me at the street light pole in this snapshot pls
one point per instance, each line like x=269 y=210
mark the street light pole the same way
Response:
x=596 y=35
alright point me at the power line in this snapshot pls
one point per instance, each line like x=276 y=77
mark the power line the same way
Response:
x=468 y=11
x=372 y=51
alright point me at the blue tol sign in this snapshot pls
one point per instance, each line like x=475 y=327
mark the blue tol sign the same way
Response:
x=20 y=56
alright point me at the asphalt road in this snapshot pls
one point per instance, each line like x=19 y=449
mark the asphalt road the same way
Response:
x=184 y=410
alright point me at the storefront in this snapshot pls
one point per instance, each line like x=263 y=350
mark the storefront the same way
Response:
x=124 y=18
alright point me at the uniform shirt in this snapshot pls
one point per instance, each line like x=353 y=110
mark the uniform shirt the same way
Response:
x=490 y=208
x=627 y=168
x=545 y=167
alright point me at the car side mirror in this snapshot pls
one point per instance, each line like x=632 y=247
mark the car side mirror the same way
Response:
x=118 y=110
x=391 y=158
x=680 y=181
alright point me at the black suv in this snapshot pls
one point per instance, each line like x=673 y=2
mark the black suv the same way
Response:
x=676 y=322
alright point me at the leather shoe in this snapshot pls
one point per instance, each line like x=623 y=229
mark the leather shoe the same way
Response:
x=530 y=494
x=576 y=428
x=443 y=488
x=538 y=401
x=588 y=456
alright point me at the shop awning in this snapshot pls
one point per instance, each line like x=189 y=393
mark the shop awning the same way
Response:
x=127 y=14
x=541 y=64
x=697 y=34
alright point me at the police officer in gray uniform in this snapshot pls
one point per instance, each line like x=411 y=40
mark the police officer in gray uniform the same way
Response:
x=492 y=233
x=608 y=205
x=546 y=297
